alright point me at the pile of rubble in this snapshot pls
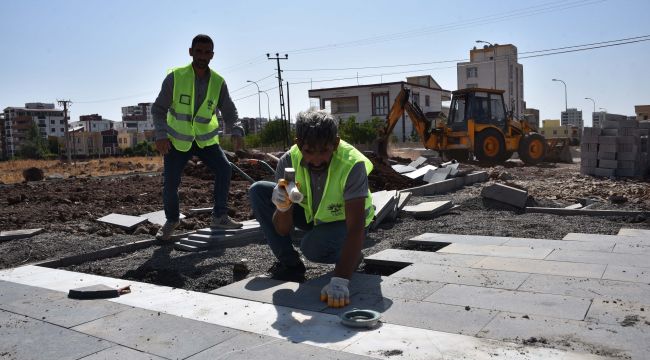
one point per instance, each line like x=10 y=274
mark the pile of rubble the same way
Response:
x=620 y=148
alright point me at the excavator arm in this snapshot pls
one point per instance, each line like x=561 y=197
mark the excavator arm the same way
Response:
x=420 y=122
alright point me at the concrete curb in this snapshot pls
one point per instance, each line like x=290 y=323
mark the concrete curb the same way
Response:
x=448 y=185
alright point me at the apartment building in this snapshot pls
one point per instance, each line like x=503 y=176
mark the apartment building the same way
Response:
x=572 y=117
x=642 y=112
x=495 y=67
x=93 y=123
x=365 y=102
x=532 y=116
x=599 y=118
x=18 y=120
x=136 y=117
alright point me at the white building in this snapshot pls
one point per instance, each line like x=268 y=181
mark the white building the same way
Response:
x=495 y=67
x=137 y=117
x=93 y=123
x=572 y=117
x=18 y=121
x=365 y=102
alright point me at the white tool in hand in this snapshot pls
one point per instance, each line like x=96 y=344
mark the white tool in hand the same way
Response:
x=289 y=183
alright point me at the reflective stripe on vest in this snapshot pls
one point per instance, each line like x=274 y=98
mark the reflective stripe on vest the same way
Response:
x=332 y=204
x=183 y=125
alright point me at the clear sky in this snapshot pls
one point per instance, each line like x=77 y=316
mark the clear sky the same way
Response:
x=103 y=55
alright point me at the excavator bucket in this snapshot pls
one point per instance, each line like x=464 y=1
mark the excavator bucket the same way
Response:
x=558 y=150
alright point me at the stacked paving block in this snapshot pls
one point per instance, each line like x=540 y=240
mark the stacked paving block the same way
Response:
x=620 y=148
x=208 y=238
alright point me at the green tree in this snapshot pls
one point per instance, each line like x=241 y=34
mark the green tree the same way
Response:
x=34 y=146
x=274 y=133
x=359 y=133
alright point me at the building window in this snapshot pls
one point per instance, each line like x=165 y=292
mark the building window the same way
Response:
x=52 y=130
x=554 y=132
x=472 y=72
x=416 y=99
x=427 y=100
x=62 y=122
x=345 y=105
x=52 y=122
x=380 y=104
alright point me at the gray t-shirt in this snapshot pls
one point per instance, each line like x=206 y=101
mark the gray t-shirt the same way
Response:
x=164 y=100
x=356 y=186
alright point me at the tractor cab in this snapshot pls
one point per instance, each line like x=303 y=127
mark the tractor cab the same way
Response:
x=484 y=106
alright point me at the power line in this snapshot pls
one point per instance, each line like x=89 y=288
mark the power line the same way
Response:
x=249 y=84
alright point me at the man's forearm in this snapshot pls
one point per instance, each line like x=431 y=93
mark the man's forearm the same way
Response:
x=283 y=221
x=351 y=251
x=227 y=107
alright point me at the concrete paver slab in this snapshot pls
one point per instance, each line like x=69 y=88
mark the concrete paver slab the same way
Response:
x=121 y=352
x=22 y=337
x=436 y=175
x=634 y=232
x=602 y=237
x=462 y=275
x=428 y=208
x=124 y=221
x=533 y=266
x=254 y=346
x=401 y=169
x=398 y=257
x=613 y=341
x=581 y=287
x=522 y=252
x=428 y=238
x=417 y=162
x=157 y=333
x=158 y=217
x=505 y=194
x=627 y=273
x=640 y=248
x=605 y=246
x=248 y=226
x=562 y=306
x=19 y=234
x=419 y=172
x=53 y=306
x=619 y=312
x=594 y=257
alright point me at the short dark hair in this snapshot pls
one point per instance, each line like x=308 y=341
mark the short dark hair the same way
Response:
x=202 y=38
x=316 y=128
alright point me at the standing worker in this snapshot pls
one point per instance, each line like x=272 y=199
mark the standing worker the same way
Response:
x=336 y=209
x=238 y=136
x=186 y=124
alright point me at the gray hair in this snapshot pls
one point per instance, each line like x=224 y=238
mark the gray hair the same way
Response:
x=316 y=128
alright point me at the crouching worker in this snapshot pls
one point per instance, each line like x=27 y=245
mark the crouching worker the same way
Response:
x=336 y=208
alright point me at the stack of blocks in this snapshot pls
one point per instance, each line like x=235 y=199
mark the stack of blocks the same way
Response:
x=620 y=148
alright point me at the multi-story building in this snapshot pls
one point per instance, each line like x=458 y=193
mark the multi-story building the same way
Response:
x=137 y=117
x=18 y=120
x=365 y=102
x=642 y=112
x=552 y=129
x=495 y=67
x=572 y=117
x=93 y=123
x=532 y=116
x=3 y=156
x=598 y=118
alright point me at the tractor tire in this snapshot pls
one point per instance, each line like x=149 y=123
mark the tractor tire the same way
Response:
x=490 y=146
x=532 y=149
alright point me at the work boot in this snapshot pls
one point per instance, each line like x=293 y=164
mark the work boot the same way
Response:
x=165 y=232
x=294 y=273
x=224 y=222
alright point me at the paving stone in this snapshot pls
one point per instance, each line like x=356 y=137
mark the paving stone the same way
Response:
x=419 y=172
x=19 y=234
x=403 y=199
x=634 y=232
x=595 y=257
x=618 y=312
x=437 y=238
x=627 y=273
x=158 y=217
x=433 y=316
x=594 y=271
x=53 y=306
x=605 y=246
x=613 y=341
x=574 y=206
x=401 y=169
x=608 y=238
x=385 y=203
x=462 y=275
x=418 y=162
x=248 y=226
x=427 y=209
x=124 y=221
x=384 y=286
x=157 y=333
x=185 y=247
x=436 y=175
x=506 y=194
x=254 y=346
x=523 y=252
x=271 y=291
x=397 y=257
x=121 y=352
x=562 y=306
x=639 y=248
x=22 y=337
x=581 y=287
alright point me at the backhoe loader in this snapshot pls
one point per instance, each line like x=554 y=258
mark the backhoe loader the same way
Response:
x=478 y=126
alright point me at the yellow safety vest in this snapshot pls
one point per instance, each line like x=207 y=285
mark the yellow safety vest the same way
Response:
x=332 y=206
x=183 y=125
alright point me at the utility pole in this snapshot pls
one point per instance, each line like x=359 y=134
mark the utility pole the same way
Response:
x=65 y=104
x=283 y=117
x=288 y=116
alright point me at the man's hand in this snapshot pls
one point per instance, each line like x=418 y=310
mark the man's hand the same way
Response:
x=280 y=198
x=336 y=293
x=163 y=146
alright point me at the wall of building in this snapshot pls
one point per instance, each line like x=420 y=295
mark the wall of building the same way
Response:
x=18 y=120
